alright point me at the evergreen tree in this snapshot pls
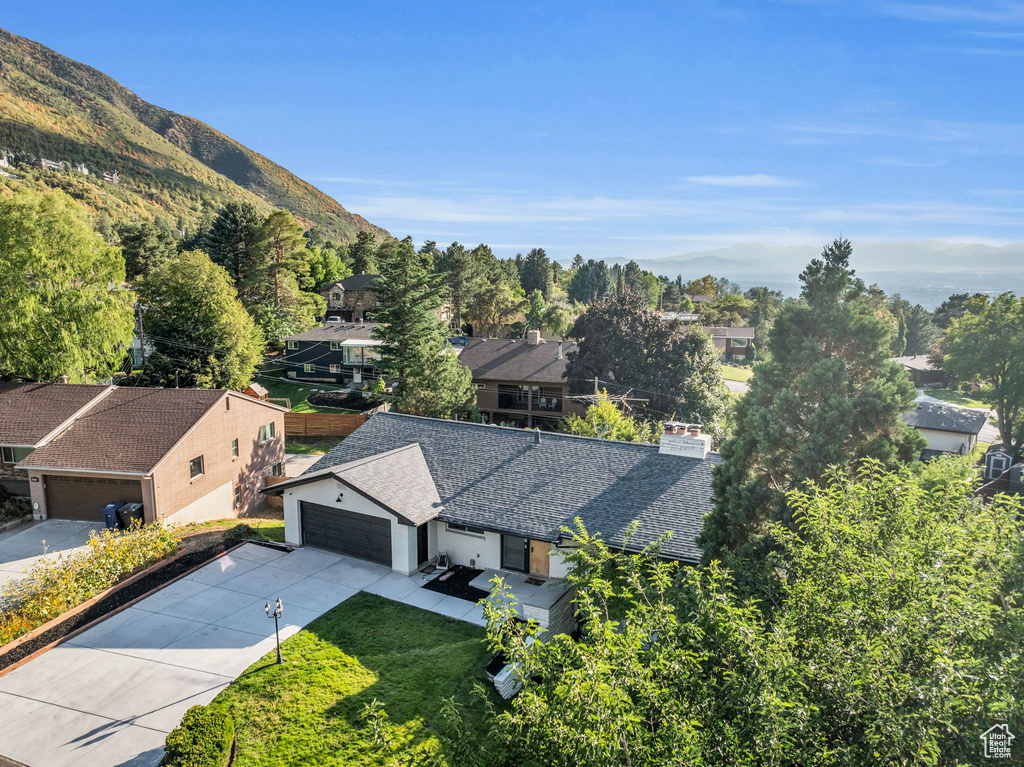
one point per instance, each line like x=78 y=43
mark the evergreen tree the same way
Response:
x=535 y=273
x=145 y=246
x=62 y=298
x=234 y=241
x=363 y=253
x=535 y=311
x=590 y=282
x=439 y=386
x=459 y=272
x=921 y=333
x=827 y=397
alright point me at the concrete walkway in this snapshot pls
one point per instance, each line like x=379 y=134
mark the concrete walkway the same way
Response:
x=297 y=463
x=110 y=696
x=22 y=546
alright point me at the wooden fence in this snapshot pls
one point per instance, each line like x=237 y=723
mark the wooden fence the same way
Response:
x=322 y=424
x=274 y=501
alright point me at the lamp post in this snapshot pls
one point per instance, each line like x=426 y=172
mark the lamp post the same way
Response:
x=276 y=614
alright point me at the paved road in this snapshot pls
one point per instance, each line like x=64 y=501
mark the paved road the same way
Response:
x=110 y=696
x=296 y=463
x=22 y=546
x=738 y=387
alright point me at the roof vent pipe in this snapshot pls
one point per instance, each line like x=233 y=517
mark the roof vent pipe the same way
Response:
x=536 y=436
x=64 y=379
x=559 y=350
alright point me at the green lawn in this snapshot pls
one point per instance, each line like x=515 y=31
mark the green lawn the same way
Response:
x=310 y=445
x=271 y=529
x=736 y=373
x=309 y=711
x=297 y=393
x=954 y=397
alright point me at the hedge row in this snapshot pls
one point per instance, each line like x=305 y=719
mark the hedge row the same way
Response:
x=53 y=586
x=203 y=739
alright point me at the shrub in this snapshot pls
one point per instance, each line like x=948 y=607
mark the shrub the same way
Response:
x=240 y=533
x=14 y=508
x=53 y=586
x=203 y=739
x=350 y=400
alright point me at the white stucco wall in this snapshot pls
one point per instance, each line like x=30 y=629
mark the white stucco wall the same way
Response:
x=325 y=492
x=559 y=567
x=462 y=547
x=219 y=503
x=944 y=440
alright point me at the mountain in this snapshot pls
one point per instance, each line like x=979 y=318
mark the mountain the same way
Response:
x=170 y=165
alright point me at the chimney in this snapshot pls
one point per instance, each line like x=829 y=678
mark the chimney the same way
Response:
x=533 y=337
x=559 y=350
x=684 y=439
x=64 y=379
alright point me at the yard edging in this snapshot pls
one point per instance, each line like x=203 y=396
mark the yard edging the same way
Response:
x=93 y=600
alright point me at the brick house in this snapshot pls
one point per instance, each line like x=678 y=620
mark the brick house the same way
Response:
x=186 y=454
x=731 y=342
x=353 y=299
x=521 y=382
x=338 y=352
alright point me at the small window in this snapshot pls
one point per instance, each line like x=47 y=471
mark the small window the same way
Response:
x=335 y=368
x=238 y=495
x=293 y=345
x=335 y=296
x=466 y=529
x=195 y=467
x=307 y=368
x=266 y=432
x=359 y=295
x=15 y=454
x=277 y=470
x=481 y=386
x=335 y=346
x=234 y=448
x=739 y=343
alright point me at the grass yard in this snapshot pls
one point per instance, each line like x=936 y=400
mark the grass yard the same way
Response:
x=955 y=397
x=272 y=528
x=297 y=393
x=310 y=445
x=736 y=373
x=309 y=711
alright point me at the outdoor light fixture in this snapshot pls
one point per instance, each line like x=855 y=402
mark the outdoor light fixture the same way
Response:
x=340 y=496
x=276 y=613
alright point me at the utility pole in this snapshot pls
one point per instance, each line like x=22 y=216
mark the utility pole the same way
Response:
x=142 y=334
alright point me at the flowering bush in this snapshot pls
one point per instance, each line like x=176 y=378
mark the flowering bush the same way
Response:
x=54 y=585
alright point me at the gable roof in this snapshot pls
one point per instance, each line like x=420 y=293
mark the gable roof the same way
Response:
x=497 y=478
x=515 y=360
x=129 y=430
x=355 y=282
x=914 y=362
x=338 y=331
x=30 y=412
x=959 y=420
x=718 y=331
x=398 y=480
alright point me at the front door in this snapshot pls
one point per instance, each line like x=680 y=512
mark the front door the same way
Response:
x=422 y=545
x=515 y=553
x=540 y=557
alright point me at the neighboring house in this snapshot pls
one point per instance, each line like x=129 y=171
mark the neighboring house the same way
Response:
x=699 y=299
x=731 y=342
x=353 y=299
x=687 y=318
x=403 y=489
x=521 y=382
x=257 y=391
x=920 y=371
x=112 y=176
x=340 y=352
x=81 y=168
x=186 y=454
x=947 y=429
x=42 y=162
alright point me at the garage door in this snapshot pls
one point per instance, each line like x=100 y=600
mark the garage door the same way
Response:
x=84 y=497
x=343 y=532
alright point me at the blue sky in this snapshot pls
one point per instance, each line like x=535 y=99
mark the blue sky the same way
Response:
x=636 y=129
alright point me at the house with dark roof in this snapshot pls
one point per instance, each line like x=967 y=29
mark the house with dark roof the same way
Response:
x=352 y=299
x=337 y=352
x=186 y=454
x=731 y=341
x=402 y=490
x=920 y=370
x=948 y=429
x=521 y=382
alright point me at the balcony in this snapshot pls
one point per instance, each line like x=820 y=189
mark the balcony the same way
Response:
x=511 y=398
x=544 y=404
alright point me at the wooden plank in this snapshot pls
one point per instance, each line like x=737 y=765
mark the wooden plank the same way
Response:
x=322 y=424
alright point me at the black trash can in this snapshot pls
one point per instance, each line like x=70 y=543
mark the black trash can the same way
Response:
x=110 y=515
x=130 y=513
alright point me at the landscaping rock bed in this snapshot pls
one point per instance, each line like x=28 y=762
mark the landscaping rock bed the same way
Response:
x=457 y=585
x=120 y=597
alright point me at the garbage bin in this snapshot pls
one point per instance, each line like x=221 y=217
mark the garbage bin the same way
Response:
x=129 y=513
x=110 y=515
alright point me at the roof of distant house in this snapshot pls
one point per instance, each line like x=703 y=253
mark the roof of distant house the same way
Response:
x=355 y=282
x=717 y=331
x=699 y=299
x=500 y=479
x=258 y=389
x=338 y=331
x=937 y=417
x=914 y=362
x=29 y=412
x=492 y=359
x=129 y=430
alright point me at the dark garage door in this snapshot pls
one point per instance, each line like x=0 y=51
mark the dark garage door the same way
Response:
x=84 y=497
x=343 y=532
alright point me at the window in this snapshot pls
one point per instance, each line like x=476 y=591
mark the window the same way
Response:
x=15 y=454
x=307 y=368
x=234 y=448
x=359 y=295
x=238 y=495
x=195 y=467
x=335 y=368
x=335 y=296
x=277 y=470
x=352 y=355
x=336 y=346
x=481 y=386
x=266 y=432
x=739 y=343
x=293 y=345
x=466 y=529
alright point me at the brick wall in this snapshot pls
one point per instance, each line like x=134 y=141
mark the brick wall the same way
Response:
x=15 y=481
x=236 y=416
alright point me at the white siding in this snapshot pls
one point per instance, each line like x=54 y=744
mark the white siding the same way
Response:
x=948 y=441
x=325 y=492
x=462 y=547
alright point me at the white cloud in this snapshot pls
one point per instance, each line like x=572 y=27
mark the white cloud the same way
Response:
x=752 y=180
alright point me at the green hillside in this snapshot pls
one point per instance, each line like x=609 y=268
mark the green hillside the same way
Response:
x=170 y=165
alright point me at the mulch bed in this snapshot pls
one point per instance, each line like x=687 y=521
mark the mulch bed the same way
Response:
x=458 y=584
x=141 y=587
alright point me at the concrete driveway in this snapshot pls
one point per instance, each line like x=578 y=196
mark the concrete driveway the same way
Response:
x=21 y=547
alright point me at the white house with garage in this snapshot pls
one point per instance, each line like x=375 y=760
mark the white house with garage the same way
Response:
x=402 y=490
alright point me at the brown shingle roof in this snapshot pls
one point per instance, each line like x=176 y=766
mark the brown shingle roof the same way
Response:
x=516 y=360
x=31 y=411
x=129 y=430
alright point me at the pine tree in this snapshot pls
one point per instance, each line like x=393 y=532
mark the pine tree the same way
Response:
x=535 y=311
x=827 y=397
x=535 y=273
x=363 y=253
x=234 y=242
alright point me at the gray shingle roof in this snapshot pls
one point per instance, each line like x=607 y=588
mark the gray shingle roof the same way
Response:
x=931 y=415
x=515 y=360
x=497 y=478
x=338 y=331
x=31 y=411
x=914 y=362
